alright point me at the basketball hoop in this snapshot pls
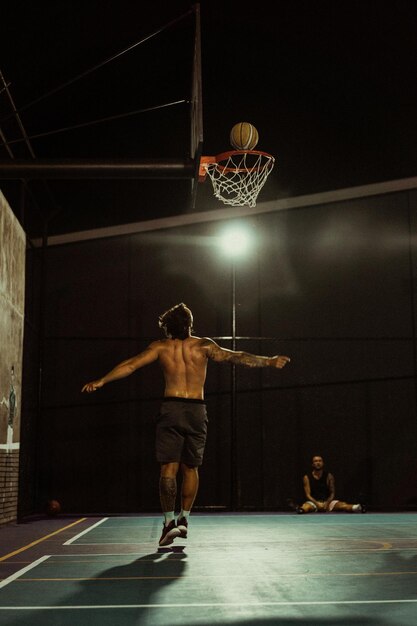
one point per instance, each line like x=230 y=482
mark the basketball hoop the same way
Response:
x=237 y=176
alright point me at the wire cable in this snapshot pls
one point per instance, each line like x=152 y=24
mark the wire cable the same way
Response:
x=93 y=122
x=99 y=65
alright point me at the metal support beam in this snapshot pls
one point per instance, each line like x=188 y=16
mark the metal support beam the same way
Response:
x=87 y=168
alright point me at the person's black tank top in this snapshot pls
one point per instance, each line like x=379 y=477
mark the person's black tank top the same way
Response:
x=318 y=488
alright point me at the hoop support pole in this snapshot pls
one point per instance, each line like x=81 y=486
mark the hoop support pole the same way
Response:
x=64 y=169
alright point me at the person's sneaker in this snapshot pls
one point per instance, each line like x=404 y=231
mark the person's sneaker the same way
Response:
x=169 y=533
x=294 y=506
x=363 y=507
x=182 y=526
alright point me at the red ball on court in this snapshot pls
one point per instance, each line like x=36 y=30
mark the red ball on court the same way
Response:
x=53 y=507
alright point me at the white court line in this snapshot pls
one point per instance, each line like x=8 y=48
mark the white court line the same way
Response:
x=204 y=605
x=122 y=543
x=371 y=515
x=13 y=577
x=89 y=555
x=87 y=530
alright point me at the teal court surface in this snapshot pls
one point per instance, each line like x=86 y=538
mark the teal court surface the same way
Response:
x=248 y=569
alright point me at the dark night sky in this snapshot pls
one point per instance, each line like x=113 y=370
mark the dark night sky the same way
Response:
x=331 y=87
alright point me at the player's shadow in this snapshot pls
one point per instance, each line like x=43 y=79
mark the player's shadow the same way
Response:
x=143 y=581
x=399 y=572
x=139 y=582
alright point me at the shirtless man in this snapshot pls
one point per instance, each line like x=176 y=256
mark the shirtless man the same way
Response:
x=319 y=489
x=182 y=423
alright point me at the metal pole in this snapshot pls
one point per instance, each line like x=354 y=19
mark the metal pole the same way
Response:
x=89 y=168
x=233 y=446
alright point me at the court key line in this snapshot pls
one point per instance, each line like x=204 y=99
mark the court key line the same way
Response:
x=34 y=543
x=204 y=576
x=204 y=605
x=84 y=532
x=13 y=577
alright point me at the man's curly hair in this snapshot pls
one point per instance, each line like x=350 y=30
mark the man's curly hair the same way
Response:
x=177 y=322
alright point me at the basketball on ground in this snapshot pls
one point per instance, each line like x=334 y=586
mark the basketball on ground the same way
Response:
x=53 y=507
x=244 y=136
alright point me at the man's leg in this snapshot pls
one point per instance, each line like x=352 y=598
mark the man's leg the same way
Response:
x=168 y=489
x=167 y=495
x=307 y=507
x=347 y=508
x=190 y=482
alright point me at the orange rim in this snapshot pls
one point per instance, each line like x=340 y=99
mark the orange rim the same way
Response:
x=224 y=156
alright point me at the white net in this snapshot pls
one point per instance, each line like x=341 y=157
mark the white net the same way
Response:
x=238 y=177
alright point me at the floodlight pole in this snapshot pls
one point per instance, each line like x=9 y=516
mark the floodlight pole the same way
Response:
x=233 y=304
x=234 y=492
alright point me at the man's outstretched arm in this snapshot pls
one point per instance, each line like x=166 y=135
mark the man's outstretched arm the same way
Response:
x=216 y=353
x=332 y=490
x=125 y=368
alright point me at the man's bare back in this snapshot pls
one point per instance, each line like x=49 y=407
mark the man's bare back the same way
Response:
x=184 y=364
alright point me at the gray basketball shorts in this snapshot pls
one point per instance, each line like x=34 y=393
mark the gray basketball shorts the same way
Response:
x=181 y=431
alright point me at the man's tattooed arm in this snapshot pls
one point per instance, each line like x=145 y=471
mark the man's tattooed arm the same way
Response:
x=216 y=353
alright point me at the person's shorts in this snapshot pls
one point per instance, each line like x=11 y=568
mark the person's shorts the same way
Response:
x=181 y=431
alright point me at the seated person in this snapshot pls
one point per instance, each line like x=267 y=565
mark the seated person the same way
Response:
x=319 y=489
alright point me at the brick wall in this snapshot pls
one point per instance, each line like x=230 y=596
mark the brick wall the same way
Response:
x=9 y=476
x=12 y=302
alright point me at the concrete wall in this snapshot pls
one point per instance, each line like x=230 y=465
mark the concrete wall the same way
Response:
x=12 y=299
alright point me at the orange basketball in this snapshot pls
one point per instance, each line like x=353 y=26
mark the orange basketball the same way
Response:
x=53 y=507
x=244 y=136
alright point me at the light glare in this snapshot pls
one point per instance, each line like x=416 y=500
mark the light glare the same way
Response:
x=235 y=241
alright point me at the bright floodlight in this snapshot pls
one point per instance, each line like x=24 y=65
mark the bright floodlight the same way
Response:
x=235 y=241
